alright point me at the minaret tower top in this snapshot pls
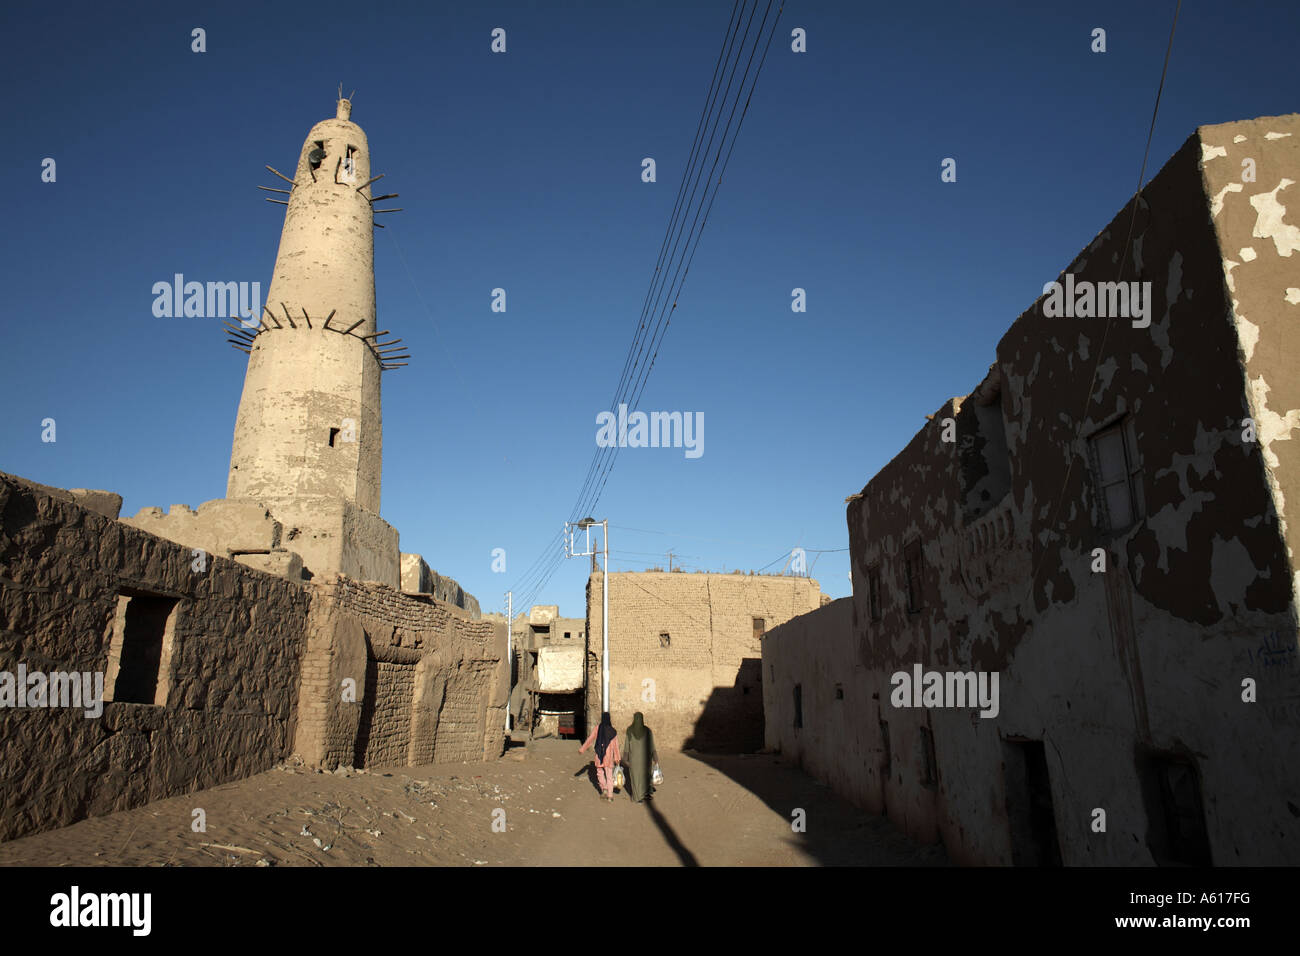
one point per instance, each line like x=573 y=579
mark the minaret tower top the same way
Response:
x=309 y=421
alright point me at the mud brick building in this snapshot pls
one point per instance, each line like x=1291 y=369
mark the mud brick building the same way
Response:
x=1112 y=530
x=684 y=650
x=549 y=675
x=226 y=669
x=266 y=623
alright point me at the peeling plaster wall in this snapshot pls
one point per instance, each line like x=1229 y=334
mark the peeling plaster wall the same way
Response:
x=1258 y=225
x=1198 y=594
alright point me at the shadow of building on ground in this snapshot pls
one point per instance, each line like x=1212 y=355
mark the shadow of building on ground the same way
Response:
x=834 y=832
x=732 y=720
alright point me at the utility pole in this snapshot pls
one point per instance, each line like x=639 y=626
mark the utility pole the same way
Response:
x=510 y=655
x=586 y=525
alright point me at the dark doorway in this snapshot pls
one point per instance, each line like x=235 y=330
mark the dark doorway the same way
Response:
x=142 y=646
x=1029 y=804
x=561 y=714
x=1171 y=790
x=369 y=691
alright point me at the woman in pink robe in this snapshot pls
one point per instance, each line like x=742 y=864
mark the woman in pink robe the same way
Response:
x=605 y=739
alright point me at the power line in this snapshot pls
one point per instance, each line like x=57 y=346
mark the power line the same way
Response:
x=660 y=327
x=666 y=317
x=633 y=350
x=605 y=458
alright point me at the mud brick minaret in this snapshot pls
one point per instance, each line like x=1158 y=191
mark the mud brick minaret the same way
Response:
x=308 y=440
x=309 y=420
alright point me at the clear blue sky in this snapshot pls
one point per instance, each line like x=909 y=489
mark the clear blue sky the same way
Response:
x=522 y=171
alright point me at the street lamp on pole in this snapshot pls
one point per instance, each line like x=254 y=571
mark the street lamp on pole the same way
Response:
x=586 y=525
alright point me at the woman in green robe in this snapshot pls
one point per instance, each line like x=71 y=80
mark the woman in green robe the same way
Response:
x=639 y=756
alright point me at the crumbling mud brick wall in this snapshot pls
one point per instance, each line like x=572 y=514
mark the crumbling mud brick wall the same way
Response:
x=395 y=680
x=1111 y=674
x=227 y=680
x=684 y=650
x=419 y=578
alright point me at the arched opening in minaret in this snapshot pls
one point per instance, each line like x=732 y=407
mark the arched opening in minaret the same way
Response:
x=334 y=434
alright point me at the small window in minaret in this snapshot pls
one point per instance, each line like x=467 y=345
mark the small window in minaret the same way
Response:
x=349 y=163
x=334 y=433
x=317 y=155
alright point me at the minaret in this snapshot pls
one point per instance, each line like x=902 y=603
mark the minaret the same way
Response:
x=309 y=420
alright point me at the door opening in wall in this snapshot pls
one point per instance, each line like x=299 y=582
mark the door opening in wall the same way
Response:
x=1171 y=790
x=140 y=647
x=1030 y=809
x=561 y=715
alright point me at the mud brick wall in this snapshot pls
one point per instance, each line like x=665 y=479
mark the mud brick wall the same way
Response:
x=704 y=690
x=387 y=737
x=1107 y=671
x=836 y=738
x=430 y=682
x=231 y=684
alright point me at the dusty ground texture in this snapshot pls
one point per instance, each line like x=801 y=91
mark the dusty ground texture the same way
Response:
x=711 y=811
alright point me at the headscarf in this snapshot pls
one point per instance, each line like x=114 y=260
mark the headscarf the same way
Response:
x=637 y=729
x=604 y=734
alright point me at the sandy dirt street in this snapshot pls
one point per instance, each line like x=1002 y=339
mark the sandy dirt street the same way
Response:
x=711 y=811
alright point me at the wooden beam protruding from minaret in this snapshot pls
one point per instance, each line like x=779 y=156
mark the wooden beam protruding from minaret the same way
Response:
x=239 y=330
x=282 y=176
